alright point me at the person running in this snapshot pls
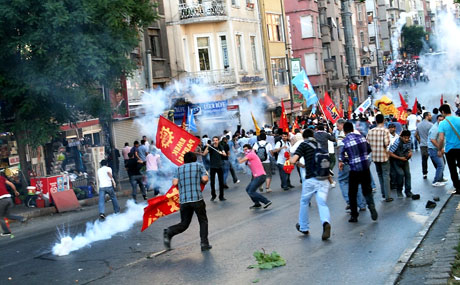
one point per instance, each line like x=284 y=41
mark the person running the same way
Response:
x=280 y=148
x=5 y=204
x=312 y=185
x=133 y=167
x=379 y=139
x=433 y=146
x=355 y=152
x=449 y=132
x=400 y=153
x=263 y=149
x=152 y=165
x=216 y=152
x=106 y=186
x=421 y=134
x=258 y=177
x=188 y=178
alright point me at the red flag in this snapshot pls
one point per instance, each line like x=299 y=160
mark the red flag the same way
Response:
x=403 y=102
x=329 y=109
x=295 y=126
x=184 y=120
x=414 y=109
x=442 y=99
x=350 y=107
x=283 y=120
x=174 y=142
x=401 y=115
x=340 y=110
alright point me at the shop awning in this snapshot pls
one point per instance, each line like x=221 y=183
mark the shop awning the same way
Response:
x=80 y=125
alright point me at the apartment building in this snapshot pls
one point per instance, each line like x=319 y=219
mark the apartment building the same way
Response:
x=217 y=43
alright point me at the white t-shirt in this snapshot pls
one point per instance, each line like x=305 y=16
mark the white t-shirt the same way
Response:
x=412 y=122
x=104 y=178
x=281 y=159
x=294 y=148
x=268 y=148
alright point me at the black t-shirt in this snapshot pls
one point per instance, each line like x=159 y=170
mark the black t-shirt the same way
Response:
x=133 y=167
x=226 y=149
x=308 y=153
x=215 y=157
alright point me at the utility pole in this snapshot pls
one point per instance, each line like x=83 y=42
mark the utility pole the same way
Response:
x=109 y=129
x=288 y=56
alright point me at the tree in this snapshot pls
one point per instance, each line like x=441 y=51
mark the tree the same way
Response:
x=55 y=56
x=413 y=37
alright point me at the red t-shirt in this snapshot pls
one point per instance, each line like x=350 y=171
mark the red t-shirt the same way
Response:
x=3 y=190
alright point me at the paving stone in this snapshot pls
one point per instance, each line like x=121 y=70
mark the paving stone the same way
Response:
x=439 y=275
x=436 y=281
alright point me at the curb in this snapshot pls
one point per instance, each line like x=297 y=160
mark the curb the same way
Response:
x=414 y=245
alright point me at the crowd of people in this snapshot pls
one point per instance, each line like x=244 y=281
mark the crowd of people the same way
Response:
x=407 y=72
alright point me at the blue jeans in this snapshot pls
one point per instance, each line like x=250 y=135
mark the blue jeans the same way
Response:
x=285 y=178
x=439 y=161
x=137 y=180
x=251 y=189
x=413 y=140
x=402 y=174
x=111 y=192
x=226 y=168
x=343 y=182
x=383 y=171
x=320 y=188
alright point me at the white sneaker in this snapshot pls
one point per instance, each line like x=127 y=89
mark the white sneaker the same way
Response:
x=333 y=184
x=438 y=184
x=237 y=181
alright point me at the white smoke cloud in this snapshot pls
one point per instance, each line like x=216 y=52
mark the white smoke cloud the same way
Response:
x=101 y=230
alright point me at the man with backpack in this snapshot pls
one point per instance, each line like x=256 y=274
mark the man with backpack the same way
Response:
x=356 y=151
x=281 y=148
x=262 y=149
x=314 y=182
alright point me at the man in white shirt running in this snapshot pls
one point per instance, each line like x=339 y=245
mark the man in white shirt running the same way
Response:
x=106 y=186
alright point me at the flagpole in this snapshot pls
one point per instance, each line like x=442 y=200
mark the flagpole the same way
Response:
x=321 y=107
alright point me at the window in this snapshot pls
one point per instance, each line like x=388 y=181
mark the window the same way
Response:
x=186 y=55
x=239 y=51
x=361 y=38
x=254 y=53
x=360 y=13
x=326 y=54
x=204 y=53
x=306 y=26
x=279 y=71
x=236 y=3
x=155 y=46
x=311 y=63
x=275 y=28
x=224 y=49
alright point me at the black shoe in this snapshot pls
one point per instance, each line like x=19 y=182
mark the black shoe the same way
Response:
x=326 y=231
x=424 y=176
x=222 y=199
x=255 y=206
x=286 y=189
x=291 y=186
x=102 y=216
x=267 y=205
x=205 y=247
x=353 y=220
x=400 y=195
x=166 y=239
x=389 y=200
x=213 y=198
x=297 y=226
x=145 y=197
x=374 y=215
x=409 y=194
x=430 y=204
x=225 y=186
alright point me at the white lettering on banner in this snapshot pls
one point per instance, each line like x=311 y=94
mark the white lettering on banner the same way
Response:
x=363 y=107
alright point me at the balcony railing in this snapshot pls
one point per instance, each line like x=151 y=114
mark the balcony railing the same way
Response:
x=215 y=78
x=207 y=9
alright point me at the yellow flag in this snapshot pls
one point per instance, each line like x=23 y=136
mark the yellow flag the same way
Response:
x=255 y=125
x=386 y=106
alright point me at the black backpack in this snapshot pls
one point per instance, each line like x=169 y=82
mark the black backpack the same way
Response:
x=322 y=162
x=262 y=152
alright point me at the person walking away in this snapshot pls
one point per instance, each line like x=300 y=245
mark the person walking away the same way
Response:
x=438 y=161
x=412 y=120
x=142 y=151
x=133 y=167
x=323 y=137
x=449 y=132
x=379 y=140
x=262 y=148
x=355 y=152
x=106 y=186
x=400 y=153
x=258 y=177
x=188 y=178
x=313 y=183
x=124 y=152
x=216 y=164
x=135 y=150
x=5 y=204
x=280 y=148
x=225 y=159
x=152 y=166
x=421 y=134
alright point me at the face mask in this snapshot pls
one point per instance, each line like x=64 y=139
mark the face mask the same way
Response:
x=247 y=151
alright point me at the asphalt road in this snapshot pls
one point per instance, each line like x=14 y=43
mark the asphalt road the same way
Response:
x=362 y=253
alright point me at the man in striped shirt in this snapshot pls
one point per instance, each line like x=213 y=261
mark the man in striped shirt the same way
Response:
x=379 y=139
x=188 y=179
x=355 y=151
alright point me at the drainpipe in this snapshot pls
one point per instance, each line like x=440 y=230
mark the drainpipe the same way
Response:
x=349 y=50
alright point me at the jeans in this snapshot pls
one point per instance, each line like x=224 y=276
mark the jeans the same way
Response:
x=413 y=140
x=402 y=175
x=251 y=189
x=425 y=155
x=310 y=187
x=362 y=178
x=233 y=173
x=220 y=176
x=285 y=178
x=343 y=182
x=137 y=180
x=5 y=205
x=383 y=171
x=439 y=162
x=111 y=192
x=186 y=215
x=453 y=161
x=226 y=169
x=152 y=181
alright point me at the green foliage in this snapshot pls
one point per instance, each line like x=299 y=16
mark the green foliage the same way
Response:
x=57 y=54
x=413 y=37
x=267 y=261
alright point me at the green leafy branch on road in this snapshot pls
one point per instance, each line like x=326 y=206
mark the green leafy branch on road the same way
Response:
x=267 y=261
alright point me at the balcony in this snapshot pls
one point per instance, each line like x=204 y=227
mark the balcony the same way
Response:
x=330 y=65
x=213 y=78
x=207 y=11
x=322 y=4
x=325 y=34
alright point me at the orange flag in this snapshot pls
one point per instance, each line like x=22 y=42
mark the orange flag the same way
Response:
x=283 y=120
x=340 y=110
x=442 y=99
